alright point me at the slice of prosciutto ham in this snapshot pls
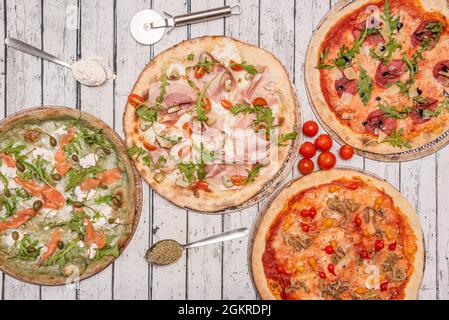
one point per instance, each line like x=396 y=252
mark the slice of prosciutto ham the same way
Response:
x=216 y=172
x=377 y=121
x=441 y=72
x=387 y=74
x=178 y=93
x=418 y=115
x=262 y=86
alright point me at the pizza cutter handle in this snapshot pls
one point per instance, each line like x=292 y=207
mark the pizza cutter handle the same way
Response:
x=207 y=15
x=227 y=236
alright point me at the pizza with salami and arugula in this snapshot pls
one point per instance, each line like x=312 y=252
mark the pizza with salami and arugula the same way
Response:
x=338 y=235
x=378 y=73
x=212 y=122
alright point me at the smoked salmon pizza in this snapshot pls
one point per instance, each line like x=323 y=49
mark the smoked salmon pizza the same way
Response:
x=213 y=122
x=377 y=74
x=338 y=235
x=68 y=196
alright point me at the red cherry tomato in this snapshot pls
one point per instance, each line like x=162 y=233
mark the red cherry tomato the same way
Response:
x=238 y=180
x=235 y=66
x=379 y=245
x=346 y=152
x=203 y=185
x=312 y=213
x=226 y=104
x=392 y=246
x=310 y=129
x=149 y=147
x=327 y=160
x=135 y=100
x=306 y=166
x=358 y=221
x=329 y=250
x=364 y=254
x=261 y=102
x=331 y=269
x=322 y=275
x=324 y=142
x=308 y=150
x=305 y=227
x=207 y=104
x=384 y=286
x=305 y=213
x=200 y=72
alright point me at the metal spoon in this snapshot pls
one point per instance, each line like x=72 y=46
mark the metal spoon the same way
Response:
x=153 y=254
x=26 y=48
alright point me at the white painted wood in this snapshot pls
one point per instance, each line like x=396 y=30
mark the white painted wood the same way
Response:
x=205 y=264
x=236 y=281
x=131 y=272
x=442 y=223
x=169 y=221
x=97 y=40
x=2 y=90
x=422 y=196
x=24 y=90
x=58 y=79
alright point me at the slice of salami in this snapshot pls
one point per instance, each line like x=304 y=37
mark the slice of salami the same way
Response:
x=425 y=32
x=345 y=85
x=386 y=74
x=418 y=116
x=371 y=40
x=377 y=121
x=441 y=72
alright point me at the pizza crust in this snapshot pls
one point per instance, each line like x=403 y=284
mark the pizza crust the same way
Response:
x=133 y=203
x=226 y=199
x=269 y=214
x=312 y=78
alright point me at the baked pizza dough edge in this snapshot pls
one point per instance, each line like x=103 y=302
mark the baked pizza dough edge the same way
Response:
x=299 y=184
x=135 y=204
x=210 y=203
x=319 y=105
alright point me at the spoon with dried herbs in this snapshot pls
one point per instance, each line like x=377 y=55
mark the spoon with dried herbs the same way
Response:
x=167 y=252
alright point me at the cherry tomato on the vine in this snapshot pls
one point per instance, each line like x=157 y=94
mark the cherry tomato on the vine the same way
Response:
x=327 y=160
x=310 y=129
x=308 y=150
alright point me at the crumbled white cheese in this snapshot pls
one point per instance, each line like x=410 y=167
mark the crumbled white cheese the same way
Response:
x=92 y=251
x=44 y=153
x=88 y=161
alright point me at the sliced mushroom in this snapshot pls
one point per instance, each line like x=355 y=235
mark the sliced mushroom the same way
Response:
x=227 y=86
x=173 y=109
x=227 y=182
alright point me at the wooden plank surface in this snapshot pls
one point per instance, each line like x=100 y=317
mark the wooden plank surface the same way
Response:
x=283 y=27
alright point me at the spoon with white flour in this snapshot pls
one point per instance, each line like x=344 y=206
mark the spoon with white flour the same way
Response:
x=88 y=72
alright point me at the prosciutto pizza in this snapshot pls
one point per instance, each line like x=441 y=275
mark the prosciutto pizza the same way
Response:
x=338 y=235
x=212 y=122
x=377 y=73
x=68 y=200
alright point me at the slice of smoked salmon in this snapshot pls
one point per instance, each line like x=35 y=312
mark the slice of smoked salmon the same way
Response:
x=30 y=186
x=89 y=184
x=66 y=138
x=10 y=162
x=52 y=245
x=93 y=236
x=62 y=166
x=17 y=220
x=53 y=199
x=109 y=177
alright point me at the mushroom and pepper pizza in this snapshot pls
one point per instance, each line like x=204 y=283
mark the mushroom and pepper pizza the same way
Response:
x=211 y=122
x=377 y=73
x=67 y=196
x=338 y=235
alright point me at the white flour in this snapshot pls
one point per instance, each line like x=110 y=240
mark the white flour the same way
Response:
x=92 y=72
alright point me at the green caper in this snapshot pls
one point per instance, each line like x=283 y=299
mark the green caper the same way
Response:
x=15 y=235
x=53 y=142
x=31 y=249
x=107 y=151
x=81 y=237
x=20 y=166
x=37 y=205
x=56 y=177
x=7 y=193
x=75 y=158
x=61 y=245
x=111 y=221
x=78 y=204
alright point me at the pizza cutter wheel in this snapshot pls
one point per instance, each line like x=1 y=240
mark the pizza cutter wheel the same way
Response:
x=148 y=27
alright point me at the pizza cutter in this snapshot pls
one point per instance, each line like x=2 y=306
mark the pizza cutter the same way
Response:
x=148 y=26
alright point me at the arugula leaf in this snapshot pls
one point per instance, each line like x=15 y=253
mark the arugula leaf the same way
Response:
x=253 y=173
x=63 y=256
x=136 y=151
x=392 y=112
x=263 y=114
x=391 y=21
x=285 y=137
x=323 y=57
x=108 y=250
x=436 y=28
x=146 y=113
x=365 y=87
x=76 y=177
x=188 y=170
x=247 y=67
x=76 y=223
x=37 y=170
x=346 y=55
x=13 y=150
x=27 y=249
x=200 y=104
x=163 y=92
x=96 y=138
x=396 y=139
x=106 y=199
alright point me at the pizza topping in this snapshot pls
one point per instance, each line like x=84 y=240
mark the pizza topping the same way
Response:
x=423 y=110
x=441 y=72
x=344 y=85
x=372 y=24
x=387 y=74
x=428 y=34
x=377 y=121
x=365 y=87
